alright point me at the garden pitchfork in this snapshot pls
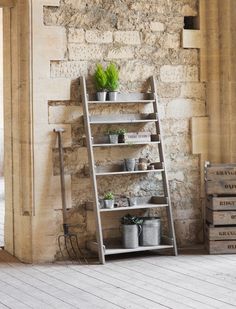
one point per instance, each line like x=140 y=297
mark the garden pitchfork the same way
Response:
x=70 y=240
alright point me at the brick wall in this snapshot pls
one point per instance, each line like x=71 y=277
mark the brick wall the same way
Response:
x=143 y=38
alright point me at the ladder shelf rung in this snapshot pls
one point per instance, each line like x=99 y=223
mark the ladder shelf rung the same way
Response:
x=129 y=208
x=122 y=121
x=129 y=172
x=123 y=118
x=142 y=202
x=122 y=102
x=110 y=251
x=126 y=144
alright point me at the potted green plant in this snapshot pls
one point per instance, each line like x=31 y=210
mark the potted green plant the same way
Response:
x=109 y=200
x=131 y=229
x=113 y=136
x=112 y=74
x=100 y=78
x=121 y=135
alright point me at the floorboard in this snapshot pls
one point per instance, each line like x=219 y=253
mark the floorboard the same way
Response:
x=145 y=281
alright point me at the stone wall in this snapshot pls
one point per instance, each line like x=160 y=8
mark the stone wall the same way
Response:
x=143 y=38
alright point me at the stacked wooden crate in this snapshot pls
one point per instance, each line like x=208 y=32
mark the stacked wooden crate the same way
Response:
x=220 y=208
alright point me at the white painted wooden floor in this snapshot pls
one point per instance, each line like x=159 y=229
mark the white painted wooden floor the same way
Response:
x=183 y=282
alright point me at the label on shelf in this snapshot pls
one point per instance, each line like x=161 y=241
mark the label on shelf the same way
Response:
x=137 y=137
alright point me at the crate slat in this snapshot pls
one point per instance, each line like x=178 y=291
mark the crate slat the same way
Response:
x=221 y=172
x=221 y=217
x=221 y=246
x=221 y=233
x=222 y=203
x=221 y=187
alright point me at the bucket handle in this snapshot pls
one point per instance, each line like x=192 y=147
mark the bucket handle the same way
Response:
x=139 y=229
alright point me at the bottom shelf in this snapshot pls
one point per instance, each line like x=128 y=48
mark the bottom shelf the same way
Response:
x=141 y=248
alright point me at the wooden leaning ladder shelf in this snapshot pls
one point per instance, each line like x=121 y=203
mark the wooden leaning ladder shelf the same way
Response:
x=155 y=202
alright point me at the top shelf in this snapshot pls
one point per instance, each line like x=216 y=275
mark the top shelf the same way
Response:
x=123 y=118
x=122 y=102
x=125 y=98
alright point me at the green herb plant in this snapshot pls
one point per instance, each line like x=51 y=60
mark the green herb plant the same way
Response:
x=117 y=132
x=112 y=74
x=130 y=220
x=100 y=78
x=112 y=132
x=121 y=131
x=109 y=196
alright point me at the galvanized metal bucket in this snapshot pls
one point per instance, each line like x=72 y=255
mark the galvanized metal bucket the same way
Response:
x=151 y=231
x=101 y=95
x=131 y=234
x=112 y=95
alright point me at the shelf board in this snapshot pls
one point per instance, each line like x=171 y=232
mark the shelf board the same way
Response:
x=143 y=206
x=126 y=144
x=128 y=172
x=122 y=102
x=139 y=249
x=122 y=121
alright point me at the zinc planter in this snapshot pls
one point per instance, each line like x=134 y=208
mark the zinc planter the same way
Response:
x=130 y=234
x=112 y=95
x=113 y=138
x=151 y=232
x=101 y=95
x=109 y=204
x=132 y=201
x=130 y=164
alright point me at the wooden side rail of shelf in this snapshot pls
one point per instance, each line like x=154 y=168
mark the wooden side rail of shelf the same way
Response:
x=97 y=171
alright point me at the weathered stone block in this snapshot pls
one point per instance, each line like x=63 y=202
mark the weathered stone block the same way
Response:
x=178 y=144
x=171 y=40
x=168 y=90
x=64 y=114
x=68 y=69
x=147 y=7
x=149 y=39
x=157 y=26
x=193 y=90
x=175 y=25
x=99 y=37
x=179 y=73
x=188 y=56
x=185 y=108
x=75 y=35
x=188 y=10
x=176 y=175
x=136 y=70
x=188 y=232
x=127 y=37
x=120 y=53
x=175 y=126
x=190 y=162
x=85 y=52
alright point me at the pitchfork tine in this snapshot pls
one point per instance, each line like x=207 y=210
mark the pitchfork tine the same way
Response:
x=67 y=235
x=73 y=249
x=59 y=244
x=78 y=248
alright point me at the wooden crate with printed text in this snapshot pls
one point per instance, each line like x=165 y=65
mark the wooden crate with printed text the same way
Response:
x=220 y=216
